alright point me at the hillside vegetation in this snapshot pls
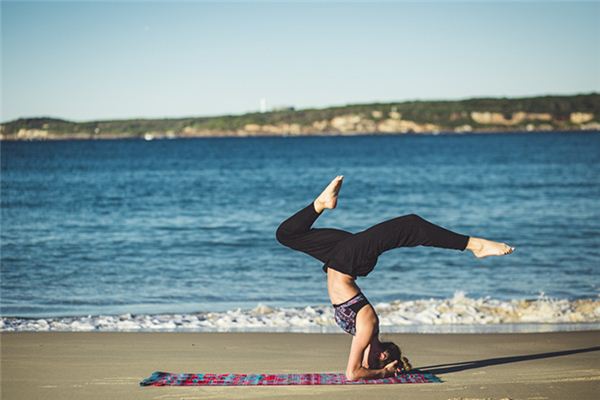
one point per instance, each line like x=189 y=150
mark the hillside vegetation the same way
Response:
x=471 y=115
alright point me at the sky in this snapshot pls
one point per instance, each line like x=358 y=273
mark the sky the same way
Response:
x=84 y=60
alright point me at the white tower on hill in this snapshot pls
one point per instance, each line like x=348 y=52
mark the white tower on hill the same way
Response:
x=263 y=105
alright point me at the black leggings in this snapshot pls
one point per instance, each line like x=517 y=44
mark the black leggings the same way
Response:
x=356 y=254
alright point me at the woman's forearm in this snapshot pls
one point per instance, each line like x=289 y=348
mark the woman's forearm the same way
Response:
x=364 y=373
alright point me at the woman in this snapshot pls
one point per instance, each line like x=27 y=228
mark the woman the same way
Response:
x=347 y=256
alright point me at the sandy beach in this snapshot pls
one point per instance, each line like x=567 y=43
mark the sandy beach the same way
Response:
x=533 y=366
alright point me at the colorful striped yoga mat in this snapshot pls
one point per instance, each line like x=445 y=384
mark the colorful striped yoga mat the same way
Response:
x=168 y=379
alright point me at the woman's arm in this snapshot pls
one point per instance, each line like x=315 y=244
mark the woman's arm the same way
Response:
x=364 y=373
x=366 y=321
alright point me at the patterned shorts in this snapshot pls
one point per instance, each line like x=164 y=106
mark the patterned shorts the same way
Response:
x=345 y=313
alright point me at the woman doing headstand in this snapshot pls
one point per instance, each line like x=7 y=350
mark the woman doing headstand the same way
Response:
x=346 y=256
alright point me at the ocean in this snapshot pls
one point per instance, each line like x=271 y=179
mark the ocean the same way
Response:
x=180 y=234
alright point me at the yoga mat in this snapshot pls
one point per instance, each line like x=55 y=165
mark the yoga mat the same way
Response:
x=169 y=379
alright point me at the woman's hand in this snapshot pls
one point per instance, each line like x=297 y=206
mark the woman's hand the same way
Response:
x=390 y=369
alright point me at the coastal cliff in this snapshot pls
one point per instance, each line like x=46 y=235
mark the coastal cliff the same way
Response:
x=578 y=112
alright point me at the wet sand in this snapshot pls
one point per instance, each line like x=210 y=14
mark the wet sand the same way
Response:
x=534 y=366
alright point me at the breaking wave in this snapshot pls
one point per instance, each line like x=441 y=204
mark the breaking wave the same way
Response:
x=457 y=314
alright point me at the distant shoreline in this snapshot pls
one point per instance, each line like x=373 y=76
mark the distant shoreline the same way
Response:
x=471 y=116
x=335 y=134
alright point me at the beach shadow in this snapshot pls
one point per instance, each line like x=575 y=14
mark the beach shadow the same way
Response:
x=465 y=365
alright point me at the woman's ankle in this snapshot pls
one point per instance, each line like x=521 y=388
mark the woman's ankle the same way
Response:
x=474 y=244
x=318 y=206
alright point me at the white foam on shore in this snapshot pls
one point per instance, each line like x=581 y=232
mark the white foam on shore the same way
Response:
x=398 y=316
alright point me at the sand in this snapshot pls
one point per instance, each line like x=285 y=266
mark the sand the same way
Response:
x=533 y=366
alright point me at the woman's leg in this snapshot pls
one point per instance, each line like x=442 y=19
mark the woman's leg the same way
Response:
x=296 y=232
x=412 y=230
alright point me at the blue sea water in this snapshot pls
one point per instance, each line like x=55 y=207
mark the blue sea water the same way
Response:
x=186 y=225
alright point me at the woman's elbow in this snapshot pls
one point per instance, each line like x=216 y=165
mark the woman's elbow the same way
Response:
x=351 y=375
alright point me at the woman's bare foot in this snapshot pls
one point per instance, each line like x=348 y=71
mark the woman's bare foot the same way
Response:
x=328 y=199
x=482 y=248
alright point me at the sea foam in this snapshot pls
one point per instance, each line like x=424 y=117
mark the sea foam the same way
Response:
x=459 y=313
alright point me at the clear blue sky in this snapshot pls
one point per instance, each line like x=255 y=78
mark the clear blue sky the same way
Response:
x=100 y=60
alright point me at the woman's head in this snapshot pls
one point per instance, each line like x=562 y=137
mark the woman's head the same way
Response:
x=388 y=353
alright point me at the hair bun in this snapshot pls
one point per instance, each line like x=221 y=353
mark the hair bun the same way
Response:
x=406 y=364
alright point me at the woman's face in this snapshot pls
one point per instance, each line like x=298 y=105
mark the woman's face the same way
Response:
x=373 y=356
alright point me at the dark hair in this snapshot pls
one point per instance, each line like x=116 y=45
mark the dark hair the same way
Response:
x=393 y=353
